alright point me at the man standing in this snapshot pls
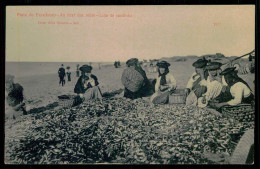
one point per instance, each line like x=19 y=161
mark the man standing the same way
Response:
x=62 y=74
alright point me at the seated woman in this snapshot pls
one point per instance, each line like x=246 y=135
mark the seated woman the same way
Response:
x=197 y=84
x=238 y=88
x=165 y=84
x=145 y=90
x=14 y=98
x=214 y=84
x=87 y=85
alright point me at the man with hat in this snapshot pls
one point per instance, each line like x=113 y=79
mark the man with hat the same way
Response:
x=62 y=74
x=14 y=98
x=239 y=90
x=165 y=84
x=145 y=90
x=197 y=84
x=87 y=85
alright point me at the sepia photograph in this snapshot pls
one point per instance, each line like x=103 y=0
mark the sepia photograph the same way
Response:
x=133 y=84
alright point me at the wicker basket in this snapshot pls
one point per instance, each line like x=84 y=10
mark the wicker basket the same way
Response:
x=242 y=112
x=67 y=102
x=177 y=97
x=132 y=79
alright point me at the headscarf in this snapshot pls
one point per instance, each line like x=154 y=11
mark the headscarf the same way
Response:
x=85 y=69
x=200 y=63
x=231 y=74
x=213 y=65
x=132 y=62
x=165 y=65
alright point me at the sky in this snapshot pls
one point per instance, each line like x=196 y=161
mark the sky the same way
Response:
x=148 y=32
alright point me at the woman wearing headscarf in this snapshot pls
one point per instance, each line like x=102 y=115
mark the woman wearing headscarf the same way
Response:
x=87 y=85
x=239 y=90
x=197 y=84
x=145 y=89
x=214 y=84
x=14 y=98
x=165 y=84
x=68 y=73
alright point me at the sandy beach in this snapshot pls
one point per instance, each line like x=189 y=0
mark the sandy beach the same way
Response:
x=41 y=81
x=41 y=88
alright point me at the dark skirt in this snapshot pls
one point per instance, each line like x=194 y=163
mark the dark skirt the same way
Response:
x=144 y=91
x=249 y=100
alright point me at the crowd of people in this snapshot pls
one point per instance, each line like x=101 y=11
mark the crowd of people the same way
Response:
x=209 y=85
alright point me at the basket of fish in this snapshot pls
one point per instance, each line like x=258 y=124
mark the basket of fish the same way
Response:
x=241 y=112
x=66 y=100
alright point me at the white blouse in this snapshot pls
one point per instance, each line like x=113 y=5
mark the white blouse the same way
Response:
x=238 y=91
x=170 y=80
x=194 y=77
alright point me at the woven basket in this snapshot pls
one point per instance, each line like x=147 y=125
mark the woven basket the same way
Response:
x=132 y=79
x=242 y=112
x=177 y=97
x=68 y=102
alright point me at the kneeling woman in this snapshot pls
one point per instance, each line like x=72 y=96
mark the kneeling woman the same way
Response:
x=238 y=88
x=87 y=85
x=165 y=84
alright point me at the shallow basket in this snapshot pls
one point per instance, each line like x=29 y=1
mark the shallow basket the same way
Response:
x=67 y=102
x=132 y=79
x=177 y=97
x=242 y=112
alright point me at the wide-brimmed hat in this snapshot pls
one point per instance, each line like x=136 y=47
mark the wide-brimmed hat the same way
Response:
x=213 y=65
x=85 y=68
x=132 y=62
x=68 y=67
x=200 y=63
x=9 y=78
x=163 y=64
x=229 y=70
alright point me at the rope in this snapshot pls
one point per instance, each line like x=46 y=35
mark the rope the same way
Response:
x=239 y=57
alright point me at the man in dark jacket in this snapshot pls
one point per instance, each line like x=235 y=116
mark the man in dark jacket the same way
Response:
x=62 y=74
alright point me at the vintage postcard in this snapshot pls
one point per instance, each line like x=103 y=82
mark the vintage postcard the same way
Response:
x=168 y=84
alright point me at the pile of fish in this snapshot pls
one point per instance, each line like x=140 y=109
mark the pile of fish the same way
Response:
x=119 y=130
